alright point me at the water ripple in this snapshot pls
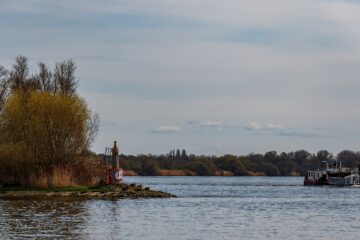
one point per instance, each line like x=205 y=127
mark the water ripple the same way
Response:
x=207 y=208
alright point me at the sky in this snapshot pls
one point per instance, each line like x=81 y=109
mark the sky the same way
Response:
x=209 y=76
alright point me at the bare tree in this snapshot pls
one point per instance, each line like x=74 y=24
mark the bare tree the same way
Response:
x=45 y=79
x=19 y=74
x=92 y=128
x=61 y=80
x=64 y=77
x=4 y=86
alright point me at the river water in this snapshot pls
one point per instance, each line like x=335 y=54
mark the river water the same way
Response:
x=206 y=208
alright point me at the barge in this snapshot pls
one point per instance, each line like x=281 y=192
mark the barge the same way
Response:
x=333 y=174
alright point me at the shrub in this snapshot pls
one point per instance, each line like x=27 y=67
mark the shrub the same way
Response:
x=45 y=129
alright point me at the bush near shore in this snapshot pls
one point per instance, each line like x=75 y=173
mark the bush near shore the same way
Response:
x=46 y=128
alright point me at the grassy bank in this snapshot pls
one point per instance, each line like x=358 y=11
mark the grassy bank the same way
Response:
x=83 y=192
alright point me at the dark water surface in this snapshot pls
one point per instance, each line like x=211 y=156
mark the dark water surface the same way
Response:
x=206 y=208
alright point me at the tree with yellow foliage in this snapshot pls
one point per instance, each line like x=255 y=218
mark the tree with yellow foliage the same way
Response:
x=46 y=128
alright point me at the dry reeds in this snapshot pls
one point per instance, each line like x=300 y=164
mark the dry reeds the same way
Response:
x=83 y=171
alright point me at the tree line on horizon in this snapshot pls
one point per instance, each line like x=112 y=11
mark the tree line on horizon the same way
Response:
x=271 y=163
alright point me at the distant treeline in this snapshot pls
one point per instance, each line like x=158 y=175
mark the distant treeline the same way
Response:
x=178 y=162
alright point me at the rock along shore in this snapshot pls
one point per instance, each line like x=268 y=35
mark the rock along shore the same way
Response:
x=122 y=191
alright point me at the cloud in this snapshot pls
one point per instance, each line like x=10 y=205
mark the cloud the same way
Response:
x=302 y=133
x=253 y=126
x=211 y=124
x=207 y=125
x=258 y=126
x=168 y=130
x=218 y=146
x=275 y=126
x=281 y=130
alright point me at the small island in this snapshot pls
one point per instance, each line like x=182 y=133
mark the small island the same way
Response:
x=46 y=132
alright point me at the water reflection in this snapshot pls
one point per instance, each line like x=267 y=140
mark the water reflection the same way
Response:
x=103 y=219
x=44 y=219
x=207 y=208
x=27 y=218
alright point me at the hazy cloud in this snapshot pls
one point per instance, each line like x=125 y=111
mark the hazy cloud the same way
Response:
x=275 y=126
x=281 y=130
x=168 y=130
x=218 y=146
x=269 y=126
x=303 y=133
x=207 y=124
x=253 y=126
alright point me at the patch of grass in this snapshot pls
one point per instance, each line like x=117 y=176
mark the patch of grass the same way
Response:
x=81 y=188
x=62 y=189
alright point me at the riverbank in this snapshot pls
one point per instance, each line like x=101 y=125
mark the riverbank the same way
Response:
x=83 y=192
x=218 y=173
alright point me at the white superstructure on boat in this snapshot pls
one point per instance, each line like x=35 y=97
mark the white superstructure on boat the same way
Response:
x=334 y=174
